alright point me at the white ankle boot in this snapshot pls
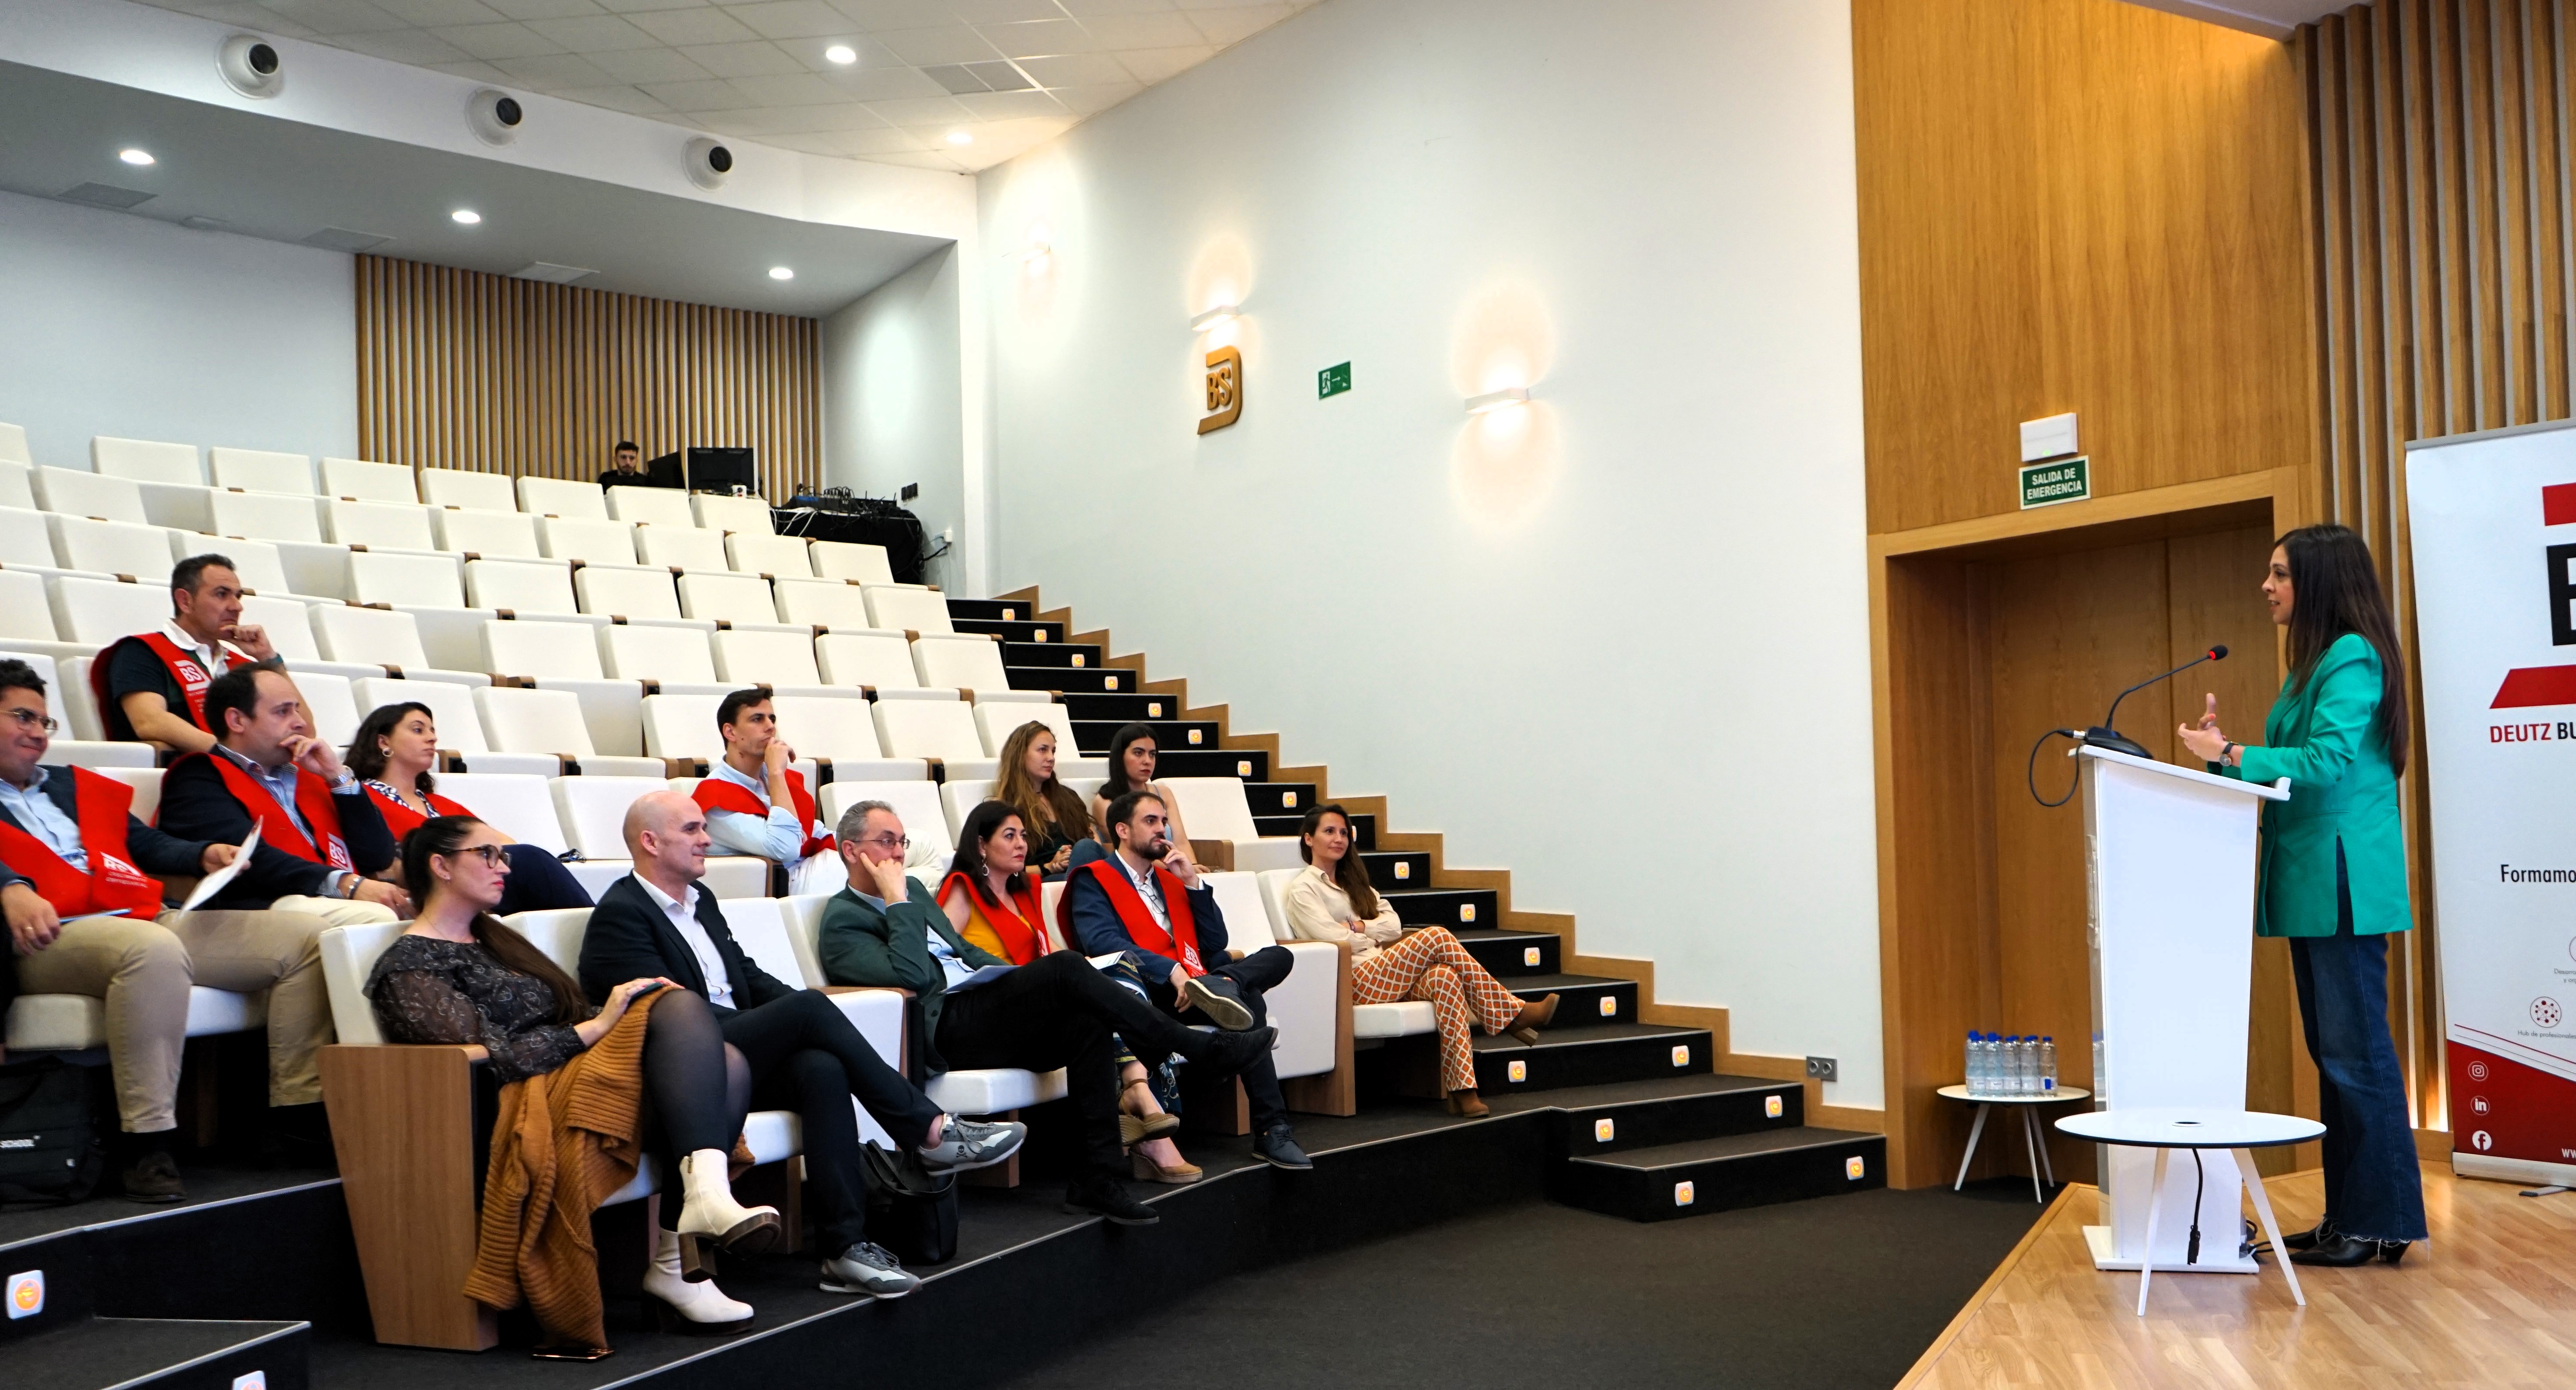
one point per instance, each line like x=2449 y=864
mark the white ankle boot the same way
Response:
x=679 y=1305
x=708 y=1211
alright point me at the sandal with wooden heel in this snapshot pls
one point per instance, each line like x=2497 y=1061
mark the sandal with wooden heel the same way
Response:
x=1134 y=1129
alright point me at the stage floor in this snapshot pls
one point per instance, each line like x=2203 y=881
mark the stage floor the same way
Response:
x=2490 y=1302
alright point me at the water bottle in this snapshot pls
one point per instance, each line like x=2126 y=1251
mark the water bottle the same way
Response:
x=1994 y=1071
x=2020 y=1054
x=2048 y=1066
x=2030 y=1064
x=1968 y=1067
x=2101 y=1074
x=1980 y=1065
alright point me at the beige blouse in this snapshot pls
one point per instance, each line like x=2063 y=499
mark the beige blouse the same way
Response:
x=1317 y=908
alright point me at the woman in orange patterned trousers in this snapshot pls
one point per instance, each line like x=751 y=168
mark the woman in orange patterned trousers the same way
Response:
x=1333 y=901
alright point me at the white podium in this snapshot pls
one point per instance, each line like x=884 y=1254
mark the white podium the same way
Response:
x=2169 y=868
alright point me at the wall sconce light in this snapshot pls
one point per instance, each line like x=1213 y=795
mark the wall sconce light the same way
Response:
x=1498 y=400
x=1220 y=314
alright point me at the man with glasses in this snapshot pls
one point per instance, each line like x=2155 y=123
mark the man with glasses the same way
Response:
x=80 y=887
x=757 y=805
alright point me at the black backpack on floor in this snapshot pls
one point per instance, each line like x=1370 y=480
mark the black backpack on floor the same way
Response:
x=910 y=1212
x=50 y=1147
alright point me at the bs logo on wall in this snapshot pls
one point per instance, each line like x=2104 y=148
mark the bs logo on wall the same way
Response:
x=1224 y=389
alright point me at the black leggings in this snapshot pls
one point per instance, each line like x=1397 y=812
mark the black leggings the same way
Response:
x=697 y=1086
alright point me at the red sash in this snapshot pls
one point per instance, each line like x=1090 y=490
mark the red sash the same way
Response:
x=1180 y=944
x=112 y=881
x=717 y=794
x=182 y=663
x=401 y=819
x=1019 y=923
x=312 y=799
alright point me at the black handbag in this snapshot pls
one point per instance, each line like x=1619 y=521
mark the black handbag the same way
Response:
x=50 y=1146
x=910 y=1211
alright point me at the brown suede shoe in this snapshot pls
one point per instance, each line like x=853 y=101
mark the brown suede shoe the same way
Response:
x=153 y=1177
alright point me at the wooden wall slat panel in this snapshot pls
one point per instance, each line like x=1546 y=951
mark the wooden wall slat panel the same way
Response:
x=458 y=369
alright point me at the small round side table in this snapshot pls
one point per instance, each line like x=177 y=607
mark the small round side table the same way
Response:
x=2032 y=1139
x=2167 y=1128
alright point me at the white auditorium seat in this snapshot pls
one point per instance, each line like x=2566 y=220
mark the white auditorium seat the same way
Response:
x=904 y=608
x=453 y=637
x=916 y=802
x=718 y=512
x=783 y=661
x=13 y=445
x=684 y=727
x=521 y=807
x=1305 y=1007
x=96 y=755
x=266 y=516
x=942 y=729
x=27 y=624
x=74 y=493
x=650 y=506
x=879 y=661
x=562 y=497
x=460 y=727
x=591 y=540
x=635 y=593
x=742 y=600
x=681 y=548
x=777 y=556
x=675 y=657
x=258 y=563
x=101 y=611
x=380 y=525
x=959 y=797
x=331 y=702
x=528 y=588
x=998 y=721
x=833 y=727
x=1215 y=808
x=121 y=548
x=145 y=460
x=549 y=721
x=866 y=564
x=27 y=543
x=382 y=637
x=361 y=481
x=75 y=1022
x=413 y=580
x=288 y=622
x=79 y=707
x=565 y=656
x=459 y=487
x=969 y=662
x=16 y=486
x=593 y=811
x=146 y=782
x=487 y=535
x=261 y=470
x=829 y=603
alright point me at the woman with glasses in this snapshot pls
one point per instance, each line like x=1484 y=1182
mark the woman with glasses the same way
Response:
x=392 y=754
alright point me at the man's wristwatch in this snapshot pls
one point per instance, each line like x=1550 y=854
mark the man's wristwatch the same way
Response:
x=2227 y=752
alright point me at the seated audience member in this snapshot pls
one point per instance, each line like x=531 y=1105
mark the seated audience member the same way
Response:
x=626 y=468
x=1131 y=769
x=460 y=975
x=757 y=805
x=1332 y=900
x=804 y=1053
x=395 y=748
x=320 y=838
x=69 y=846
x=151 y=687
x=1047 y=1011
x=1052 y=811
x=1145 y=900
x=992 y=901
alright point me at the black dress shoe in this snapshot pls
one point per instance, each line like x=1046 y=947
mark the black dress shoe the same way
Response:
x=153 y=1176
x=1108 y=1199
x=2341 y=1251
x=2309 y=1239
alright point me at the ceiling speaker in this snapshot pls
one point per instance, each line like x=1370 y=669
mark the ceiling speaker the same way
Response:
x=494 y=116
x=708 y=163
x=250 y=65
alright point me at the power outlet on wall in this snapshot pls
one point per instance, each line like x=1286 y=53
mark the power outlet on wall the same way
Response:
x=1822 y=1069
x=910 y=491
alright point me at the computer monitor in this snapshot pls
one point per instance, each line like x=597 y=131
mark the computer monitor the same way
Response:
x=722 y=469
x=666 y=471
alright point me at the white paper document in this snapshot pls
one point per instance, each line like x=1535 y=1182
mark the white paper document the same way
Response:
x=213 y=883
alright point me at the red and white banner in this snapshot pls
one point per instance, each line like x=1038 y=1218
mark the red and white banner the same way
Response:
x=2494 y=532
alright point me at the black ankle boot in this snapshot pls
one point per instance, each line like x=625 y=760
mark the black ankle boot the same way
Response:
x=2309 y=1239
x=2341 y=1251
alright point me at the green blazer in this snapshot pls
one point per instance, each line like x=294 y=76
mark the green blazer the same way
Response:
x=2343 y=791
x=860 y=945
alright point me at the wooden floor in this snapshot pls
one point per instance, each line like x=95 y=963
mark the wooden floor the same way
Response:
x=2490 y=1303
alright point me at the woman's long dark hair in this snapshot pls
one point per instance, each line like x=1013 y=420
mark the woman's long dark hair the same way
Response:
x=2334 y=589
x=367 y=760
x=440 y=835
x=1116 y=786
x=983 y=823
x=1350 y=875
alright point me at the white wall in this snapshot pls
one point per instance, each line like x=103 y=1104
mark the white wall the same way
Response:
x=127 y=326
x=1618 y=644
x=892 y=409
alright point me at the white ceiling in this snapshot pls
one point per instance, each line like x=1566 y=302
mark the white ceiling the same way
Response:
x=2271 y=18
x=1030 y=68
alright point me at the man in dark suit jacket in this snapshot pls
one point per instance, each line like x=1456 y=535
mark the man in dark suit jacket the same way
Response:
x=803 y=1051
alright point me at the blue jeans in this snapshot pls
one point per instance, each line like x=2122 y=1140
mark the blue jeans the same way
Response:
x=2373 y=1187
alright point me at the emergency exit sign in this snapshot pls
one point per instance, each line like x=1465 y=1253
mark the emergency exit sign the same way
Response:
x=2059 y=480
x=1332 y=381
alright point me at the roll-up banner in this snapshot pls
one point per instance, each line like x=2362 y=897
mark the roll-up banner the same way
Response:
x=2493 y=519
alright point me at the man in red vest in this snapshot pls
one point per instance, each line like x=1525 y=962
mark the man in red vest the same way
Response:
x=757 y=805
x=322 y=843
x=78 y=887
x=151 y=687
x=1146 y=901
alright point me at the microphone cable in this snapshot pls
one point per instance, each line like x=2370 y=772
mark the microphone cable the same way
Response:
x=2030 y=769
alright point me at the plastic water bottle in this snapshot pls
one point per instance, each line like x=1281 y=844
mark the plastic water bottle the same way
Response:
x=2048 y=1065
x=1994 y=1070
x=2101 y=1074
x=1980 y=1082
x=1968 y=1065
x=2019 y=1052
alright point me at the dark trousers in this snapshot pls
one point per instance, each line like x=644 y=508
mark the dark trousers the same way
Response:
x=2373 y=1188
x=806 y=1056
x=1245 y=979
x=538 y=882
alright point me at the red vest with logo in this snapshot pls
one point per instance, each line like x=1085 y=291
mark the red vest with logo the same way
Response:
x=192 y=676
x=717 y=794
x=401 y=819
x=1180 y=944
x=111 y=881
x=312 y=801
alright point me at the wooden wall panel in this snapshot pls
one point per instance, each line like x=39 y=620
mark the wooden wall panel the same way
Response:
x=458 y=369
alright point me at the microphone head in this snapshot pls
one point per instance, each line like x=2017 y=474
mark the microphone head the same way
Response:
x=2218 y=653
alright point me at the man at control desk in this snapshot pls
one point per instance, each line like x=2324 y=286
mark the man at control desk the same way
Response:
x=151 y=687
x=629 y=468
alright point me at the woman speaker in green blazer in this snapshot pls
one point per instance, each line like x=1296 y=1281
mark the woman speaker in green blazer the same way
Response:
x=2334 y=875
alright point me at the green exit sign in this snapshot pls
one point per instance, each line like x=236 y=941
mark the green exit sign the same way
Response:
x=2059 y=480
x=1332 y=381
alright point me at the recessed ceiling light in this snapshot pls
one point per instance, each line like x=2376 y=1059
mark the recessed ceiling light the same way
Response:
x=135 y=157
x=842 y=54
x=466 y=216
x=780 y=272
x=961 y=137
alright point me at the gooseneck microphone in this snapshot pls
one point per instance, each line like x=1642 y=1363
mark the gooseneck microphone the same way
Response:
x=2105 y=735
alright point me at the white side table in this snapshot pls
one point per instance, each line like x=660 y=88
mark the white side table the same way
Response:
x=2032 y=1139
x=2167 y=1128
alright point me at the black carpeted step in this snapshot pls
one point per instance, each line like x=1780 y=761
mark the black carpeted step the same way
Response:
x=1075 y=654
x=1674 y=1111
x=1510 y=954
x=1458 y=909
x=1363 y=824
x=98 y=1353
x=1589 y=1056
x=1394 y=871
x=1095 y=735
x=1125 y=707
x=1250 y=764
x=1280 y=799
x=1069 y=680
x=1581 y=999
x=1723 y=1173
x=1008 y=632
x=993 y=609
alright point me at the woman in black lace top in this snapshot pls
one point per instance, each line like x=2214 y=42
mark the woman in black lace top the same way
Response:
x=460 y=975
